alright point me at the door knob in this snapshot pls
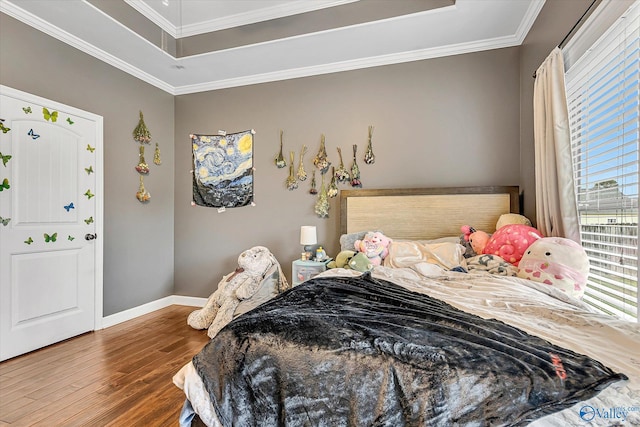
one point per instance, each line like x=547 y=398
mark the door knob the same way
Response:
x=90 y=236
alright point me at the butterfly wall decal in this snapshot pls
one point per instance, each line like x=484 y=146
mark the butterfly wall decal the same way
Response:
x=89 y=194
x=51 y=238
x=27 y=110
x=5 y=221
x=5 y=184
x=89 y=220
x=29 y=241
x=69 y=207
x=70 y=238
x=90 y=148
x=32 y=134
x=70 y=121
x=53 y=116
x=5 y=158
x=3 y=128
x=89 y=170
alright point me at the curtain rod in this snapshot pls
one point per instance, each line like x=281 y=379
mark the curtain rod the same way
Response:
x=577 y=25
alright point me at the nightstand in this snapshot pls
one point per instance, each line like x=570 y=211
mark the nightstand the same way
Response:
x=305 y=270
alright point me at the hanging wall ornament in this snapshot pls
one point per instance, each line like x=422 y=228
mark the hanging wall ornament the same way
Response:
x=156 y=156
x=369 y=157
x=291 y=182
x=322 y=204
x=142 y=195
x=332 y=191
x=320 y=161
x=313 y=189
x=355 y=170
x=341 y=174
x=280 y=161
x=141 y=133
x=302 y=175
x=142 y=166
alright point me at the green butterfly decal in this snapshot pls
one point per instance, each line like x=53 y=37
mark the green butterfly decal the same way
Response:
x=51 y=238
x=5 y=184
x=90 y=148
x=5 y=158
x=89 y=170
x=89 y=194
x=70 y=121
x=3 y=128
x=5 y=221
x=29 y=241
x=53 y=116
x=70 y=238
x=89 y=220
x=27 y=110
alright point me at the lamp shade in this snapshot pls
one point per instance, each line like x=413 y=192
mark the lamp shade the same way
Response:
x=308 y=235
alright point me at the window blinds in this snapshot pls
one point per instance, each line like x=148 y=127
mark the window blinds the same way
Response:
x=603 y=100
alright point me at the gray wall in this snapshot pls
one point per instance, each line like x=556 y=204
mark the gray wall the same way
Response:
x=462 y=120
x=138 y=239
x=443 y=122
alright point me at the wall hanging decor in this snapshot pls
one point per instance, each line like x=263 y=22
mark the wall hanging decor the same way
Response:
x=355 y=170
x=302 y=174
x=280 y=161
x=142 y=166
x=341 y=174
x=322 y=204
x=141 y=133
x=313 y=189
x=156 y=156
x=142 y=195
x=320 y=161
x=223 y=169
x=369 y=157
x=332 y=191
x=291 y=181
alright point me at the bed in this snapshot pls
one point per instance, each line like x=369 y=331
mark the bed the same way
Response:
x=418 y=343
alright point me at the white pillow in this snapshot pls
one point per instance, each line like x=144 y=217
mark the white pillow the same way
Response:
x=446 y=254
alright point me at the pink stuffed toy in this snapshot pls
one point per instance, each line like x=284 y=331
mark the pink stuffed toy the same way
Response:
x=374 y=245
x=509 y=242
x=558 y=262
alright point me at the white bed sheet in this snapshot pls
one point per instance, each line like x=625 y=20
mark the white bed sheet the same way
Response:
x=535 y=308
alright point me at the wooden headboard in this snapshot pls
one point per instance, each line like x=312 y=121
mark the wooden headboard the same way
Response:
x=426 y=213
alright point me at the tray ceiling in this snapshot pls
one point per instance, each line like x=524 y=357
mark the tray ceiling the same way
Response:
x=186 y=46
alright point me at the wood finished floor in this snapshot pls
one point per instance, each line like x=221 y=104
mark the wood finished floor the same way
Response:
x=119 y=376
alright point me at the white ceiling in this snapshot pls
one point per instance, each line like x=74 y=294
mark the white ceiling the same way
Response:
x=466 y=26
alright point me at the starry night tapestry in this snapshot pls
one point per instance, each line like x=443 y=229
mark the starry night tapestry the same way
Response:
x=223 y=169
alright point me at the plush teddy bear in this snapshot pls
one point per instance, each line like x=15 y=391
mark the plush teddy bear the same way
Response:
x=374 y=245
x=508 y=242
x=558 y=262
x=253 y=266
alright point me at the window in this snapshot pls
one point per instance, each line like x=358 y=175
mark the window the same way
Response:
x=603 y=98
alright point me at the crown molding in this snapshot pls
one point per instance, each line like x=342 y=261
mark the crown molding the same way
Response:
x=67 y=38
x=231 y=21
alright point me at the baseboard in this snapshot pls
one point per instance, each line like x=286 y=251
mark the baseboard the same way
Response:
x=152 y=306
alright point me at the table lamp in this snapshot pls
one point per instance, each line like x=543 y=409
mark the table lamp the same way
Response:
x=308 y=238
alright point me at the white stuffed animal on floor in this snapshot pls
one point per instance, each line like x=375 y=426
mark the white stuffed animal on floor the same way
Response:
x=242 y=284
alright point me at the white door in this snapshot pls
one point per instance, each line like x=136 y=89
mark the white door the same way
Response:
x=50 y=216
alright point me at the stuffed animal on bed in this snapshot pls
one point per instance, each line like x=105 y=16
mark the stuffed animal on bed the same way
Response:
x=351 y=260
x=509 y=242
x=374 y=245
x=254 y=265
x=556 y=261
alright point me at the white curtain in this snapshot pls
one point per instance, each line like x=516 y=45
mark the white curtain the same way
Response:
x=556 y=209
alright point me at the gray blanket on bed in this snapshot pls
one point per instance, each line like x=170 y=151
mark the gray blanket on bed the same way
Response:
x=360 y=351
